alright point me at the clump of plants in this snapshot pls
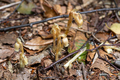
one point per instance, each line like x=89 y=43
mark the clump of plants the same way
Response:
x=62 y=40
x=23 y=59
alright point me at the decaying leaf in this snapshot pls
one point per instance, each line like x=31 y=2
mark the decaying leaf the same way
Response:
x=8 y=38
x=32 y=52
x=58 y=8
x=44 y=35
x=37 y=43
x=47 y=62
x=49 y=10
x=79 y=41
x=102 y=36
x=37 y=59
x=100 y=64
x=6 y=52
x=90 y=54
x=108 y=49
x=26 y=8
x=115 y=27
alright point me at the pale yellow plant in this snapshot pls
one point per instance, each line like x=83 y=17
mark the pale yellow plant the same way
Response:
x=23 y=58
x=61 y=40
x=55 y=31
x=60 y=45
x=78 y=19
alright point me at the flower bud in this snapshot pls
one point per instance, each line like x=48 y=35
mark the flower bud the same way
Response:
x=78 y=19
x=17 y=47
x=65 y=41
x=19 y=41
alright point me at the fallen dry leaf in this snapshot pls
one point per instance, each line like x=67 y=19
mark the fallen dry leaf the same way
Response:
x=34 y=19
x=5 y=52
x=37 y=43
x=44 y=35
x=32 y=52
x=69 y=8
x=100 y=64
x=49 y=10
x=90 y=54
x=115 y=27
x=58 y=8
x=37 y=59
x=102 y=36
x=24 y=75
x=47 y=62
x=63 y=9
x=8 y=38
x=7 y=75
x=72 y=72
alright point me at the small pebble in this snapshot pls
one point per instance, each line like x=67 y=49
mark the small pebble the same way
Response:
x=117 y=63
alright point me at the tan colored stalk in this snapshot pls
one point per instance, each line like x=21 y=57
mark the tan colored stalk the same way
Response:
x=78 y=20
x=23 y=58
x=54 y=32
x=69 y=22
x=61 y=44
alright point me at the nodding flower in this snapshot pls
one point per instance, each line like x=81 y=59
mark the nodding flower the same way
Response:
x=23 y=58
x=78 y=19
x=17 y=47
x=55 y=31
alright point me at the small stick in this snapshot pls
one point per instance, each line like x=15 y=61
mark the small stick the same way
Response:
x=10 y=5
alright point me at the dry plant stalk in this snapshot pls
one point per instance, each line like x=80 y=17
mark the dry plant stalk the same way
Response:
x=23 y=58
x=60 y=44
x=56 y=31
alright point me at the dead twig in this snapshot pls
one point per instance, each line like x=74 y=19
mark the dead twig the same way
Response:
x=9 y=5
x=62 y=16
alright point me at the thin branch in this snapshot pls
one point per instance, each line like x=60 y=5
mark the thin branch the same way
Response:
x=107 y=61
x=9 y=5
x=62 y=16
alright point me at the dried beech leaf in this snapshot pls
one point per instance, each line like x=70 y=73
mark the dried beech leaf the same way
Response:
x=37 y=43
x=6 y=52
x=49 y=10
x=47 y=62
x=100 y=64
x=44 y=35
x=90 y=54
x=115 y=27
x=108 y=49
x=37 y=59
x=58 y=8
x=8 y=38
x=102 y=36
